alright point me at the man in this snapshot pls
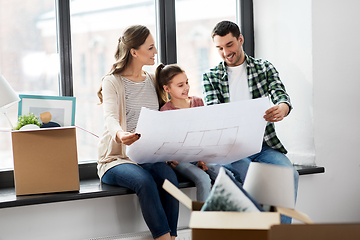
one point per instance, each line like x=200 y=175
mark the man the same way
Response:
x=241 y=77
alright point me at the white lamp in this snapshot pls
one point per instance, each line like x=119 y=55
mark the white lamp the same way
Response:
x=274 y=186
x=271 y=184
x=8 y=97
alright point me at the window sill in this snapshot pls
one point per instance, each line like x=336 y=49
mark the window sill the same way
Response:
x=93 y=188
x=305 y=170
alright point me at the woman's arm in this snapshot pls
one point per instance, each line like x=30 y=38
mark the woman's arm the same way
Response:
x=112 y=107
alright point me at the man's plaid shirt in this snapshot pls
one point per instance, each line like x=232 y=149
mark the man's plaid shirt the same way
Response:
x=263 y=80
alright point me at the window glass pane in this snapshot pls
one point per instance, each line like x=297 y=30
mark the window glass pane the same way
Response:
x=290 y=50
x=96 y=27
x=28 y=57
x=195 y=20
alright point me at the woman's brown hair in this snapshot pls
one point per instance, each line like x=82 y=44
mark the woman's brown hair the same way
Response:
x=133 y=37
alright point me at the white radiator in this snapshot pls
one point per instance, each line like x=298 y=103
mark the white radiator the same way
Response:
x=183 y=234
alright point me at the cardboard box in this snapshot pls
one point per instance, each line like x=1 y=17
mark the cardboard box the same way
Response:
x=284 y=232
x=207 y=225
x=45 y=160
x=315 y=231
x=224 y=225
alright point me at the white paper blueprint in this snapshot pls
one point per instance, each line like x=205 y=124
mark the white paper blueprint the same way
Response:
x=220 y=133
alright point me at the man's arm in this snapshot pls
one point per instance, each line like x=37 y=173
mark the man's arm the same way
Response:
x=278 y=95
x=210 y=93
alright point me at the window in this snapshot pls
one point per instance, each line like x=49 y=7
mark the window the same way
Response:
x=28 y=58
x=95 y=29
x=33 y=65
x=194 y=23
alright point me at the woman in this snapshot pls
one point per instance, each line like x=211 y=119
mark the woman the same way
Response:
x=125 y=89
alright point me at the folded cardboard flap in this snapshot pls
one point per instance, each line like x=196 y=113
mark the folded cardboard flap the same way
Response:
x=294 y=214
x=177 y=193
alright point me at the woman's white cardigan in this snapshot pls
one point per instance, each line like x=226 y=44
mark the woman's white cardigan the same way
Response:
x=110 y=151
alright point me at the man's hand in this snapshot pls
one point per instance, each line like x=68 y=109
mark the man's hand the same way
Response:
x=277 y=113
x=127 y=138
x=202 y=165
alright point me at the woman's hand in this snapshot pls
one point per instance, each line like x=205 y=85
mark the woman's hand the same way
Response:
x=127 y=138
x=172 y=164
x=202 y=165
x=277 y=113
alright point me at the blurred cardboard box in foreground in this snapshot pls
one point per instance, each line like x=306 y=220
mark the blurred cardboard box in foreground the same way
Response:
x=207 y=225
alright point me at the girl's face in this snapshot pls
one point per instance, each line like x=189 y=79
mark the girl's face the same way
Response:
x=146 y=52
x=179 y=87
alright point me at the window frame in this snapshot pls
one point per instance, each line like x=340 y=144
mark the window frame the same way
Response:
x=245 y=18
x=166 y=22
x=62 y=9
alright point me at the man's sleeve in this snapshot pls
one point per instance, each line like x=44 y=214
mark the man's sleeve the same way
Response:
x=209 y=92
x=276 y=88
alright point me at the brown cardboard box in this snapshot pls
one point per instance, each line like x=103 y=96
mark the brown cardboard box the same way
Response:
x=45 y=160
x=315 y=231
x=257 y=226
x=284 y=232
x=224 y=225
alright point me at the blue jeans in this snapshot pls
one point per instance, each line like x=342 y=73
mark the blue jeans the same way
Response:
x=160 y=210
x=266 y=155
x=213 y=171
x=201 y=179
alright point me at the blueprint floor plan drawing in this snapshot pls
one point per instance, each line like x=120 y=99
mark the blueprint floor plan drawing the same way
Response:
x=215 y=134
x=206 y=144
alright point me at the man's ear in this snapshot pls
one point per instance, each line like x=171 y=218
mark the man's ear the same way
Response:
x=241 y=39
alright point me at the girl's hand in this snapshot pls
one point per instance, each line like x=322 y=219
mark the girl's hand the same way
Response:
x=277 y=113
x=172 y=164
x=202 y=165
x=127 y=138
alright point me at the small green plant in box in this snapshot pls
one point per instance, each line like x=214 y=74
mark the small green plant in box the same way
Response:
x=27 y=119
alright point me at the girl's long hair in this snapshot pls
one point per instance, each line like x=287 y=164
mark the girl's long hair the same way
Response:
x=164 y=75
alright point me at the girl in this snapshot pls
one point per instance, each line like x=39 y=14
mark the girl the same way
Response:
x=125 y=89
x=172 y=80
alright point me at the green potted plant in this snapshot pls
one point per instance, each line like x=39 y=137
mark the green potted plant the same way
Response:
x=27 y=121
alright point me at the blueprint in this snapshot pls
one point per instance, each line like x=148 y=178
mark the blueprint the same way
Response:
x=220 y=133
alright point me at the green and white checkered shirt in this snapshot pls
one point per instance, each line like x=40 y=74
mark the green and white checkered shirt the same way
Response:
x=263 y=81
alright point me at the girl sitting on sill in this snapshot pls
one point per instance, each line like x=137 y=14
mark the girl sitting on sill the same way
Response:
x=172 y=80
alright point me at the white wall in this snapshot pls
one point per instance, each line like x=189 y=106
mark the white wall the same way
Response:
x=336 y=30
x=318 y=41
x=79 y=220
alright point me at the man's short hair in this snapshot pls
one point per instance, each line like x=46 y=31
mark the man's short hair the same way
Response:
x=224 y=27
